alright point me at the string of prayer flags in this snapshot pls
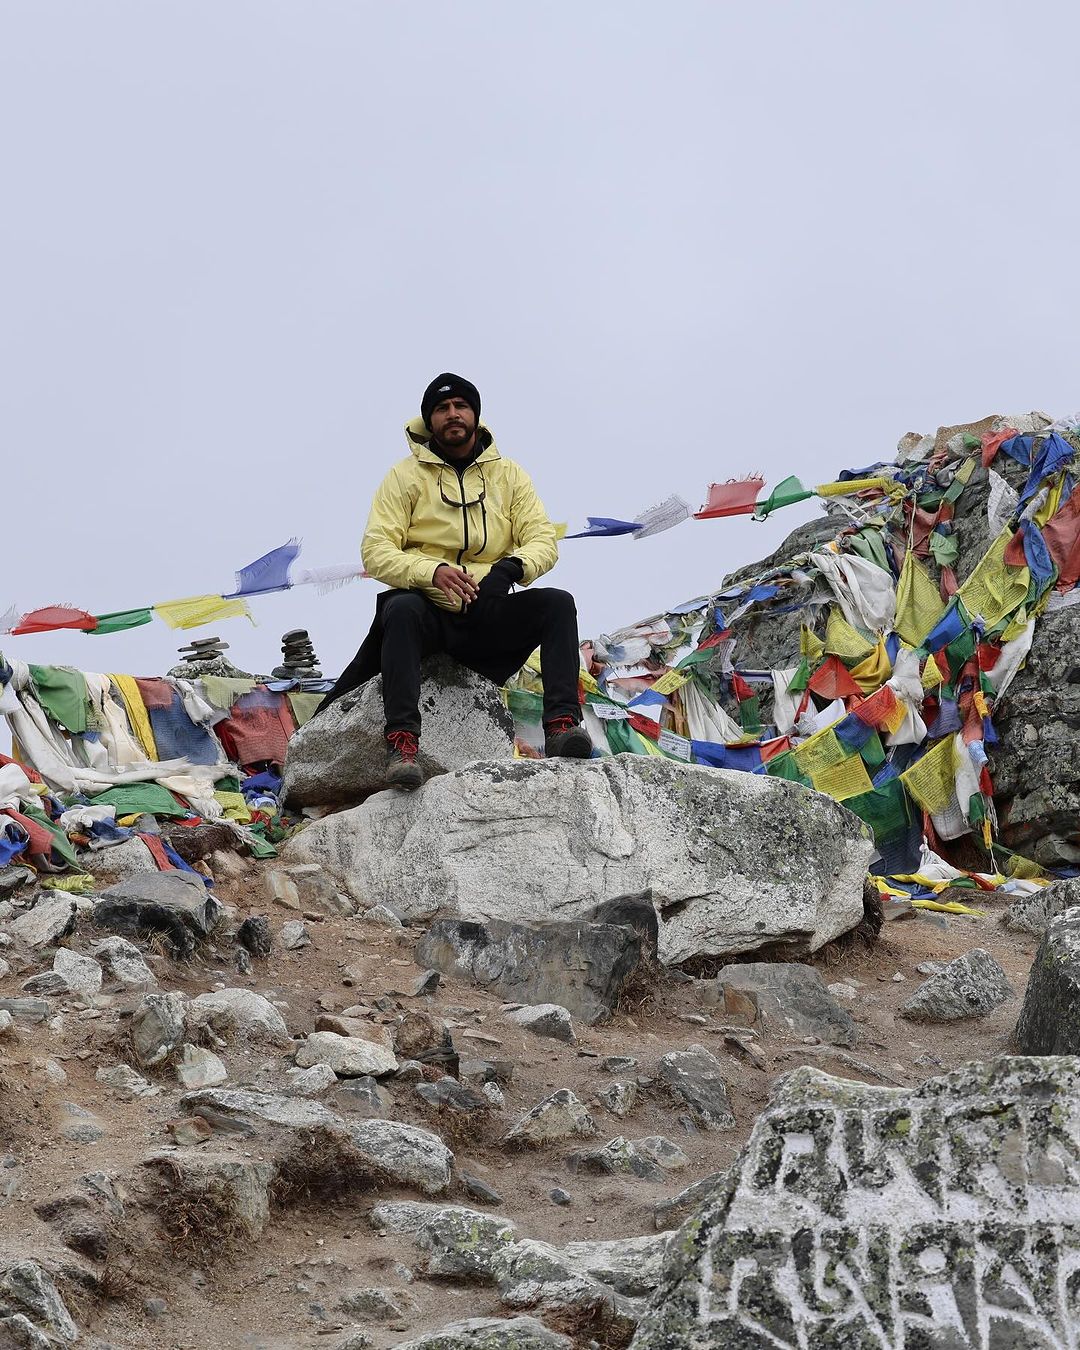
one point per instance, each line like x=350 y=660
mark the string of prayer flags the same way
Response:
x=601 y=526
x=119 y=621
x=832 y=680
x=666 y=515
x=53 y=617
x=268 y=573
x=736 y=497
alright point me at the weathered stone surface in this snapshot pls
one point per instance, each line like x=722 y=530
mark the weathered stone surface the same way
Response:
x=270 y=1108
x=310 y=1082
x=448 y=1093
x=650 y=1159
x=123 y=961
x=734 y=861
x=359 y=1097
x=580 y=966
x=461 y=1243
x=25 y=1009
x=348 y=1056
x=27 y=1289
x=546 y=1019
x=295 y=935
x=239 y=1187
x=560 y=1116
x=946 y=1217
x=791 y=1000
x=340 y=755
x=971 y=986
x=52 y=917
x=125 y=1082
x=255 y=936
x=403 y=1154
x=197 y=1067
x=174 y=904
x=673 y=1212
x=1050 y=1017
x=491 y=1333
x=237 y=1014
x=318 y=891
x=619 y=1098
x=157 y=1028
x=695 y=1075
x=82 y=974
x=1032 y=913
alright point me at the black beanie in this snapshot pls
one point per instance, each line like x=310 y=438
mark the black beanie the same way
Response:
x=448 y=386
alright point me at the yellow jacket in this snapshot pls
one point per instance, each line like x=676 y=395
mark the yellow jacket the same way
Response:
x=423 y=515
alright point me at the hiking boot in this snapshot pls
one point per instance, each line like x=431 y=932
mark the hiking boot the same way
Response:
x=566 y=739
x=402 y=770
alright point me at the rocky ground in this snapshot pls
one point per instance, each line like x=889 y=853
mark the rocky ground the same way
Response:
x=280 y=1206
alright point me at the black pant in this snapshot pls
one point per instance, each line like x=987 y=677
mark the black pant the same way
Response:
x=494 y=637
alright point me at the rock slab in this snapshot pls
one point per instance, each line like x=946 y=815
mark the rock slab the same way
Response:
x=1050 y=1017
x=944 y=1217
x=174 y=904
x=791 y=999
x=340 y=754
x=971 y=986
x=733 y=861
x=583 y=967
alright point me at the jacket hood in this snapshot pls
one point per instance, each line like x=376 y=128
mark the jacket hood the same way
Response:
x=418 y=439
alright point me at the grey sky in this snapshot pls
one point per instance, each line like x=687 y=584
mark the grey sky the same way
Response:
x=670 y=243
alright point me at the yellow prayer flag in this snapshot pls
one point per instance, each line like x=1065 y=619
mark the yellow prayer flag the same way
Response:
x=589 y=684
x=1049 y=507
x=931 y=675
x=137 y=714
x=846 y=779
x=197 y=610
x=670 y=681
x=560 y=529
x=811 y=646
x=819 y=752
x=918 y=604
x=931 y=781
x=872 y=673
x=857 y=485
x=844 y=640
x=995 y=589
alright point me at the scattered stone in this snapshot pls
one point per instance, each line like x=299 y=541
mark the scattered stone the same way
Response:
x=25 y=1009
x=239 y=1014
x=560 y=1116
x=254 y=935
x=848 y=993
x=238 y=1188
x=48 y=984
x=617 y=1063
x=560 y=1197
x=13 y=878
x=377 y=1305
x=81 y=973
x=283 y=890
x=190 y=1131
x=199 y=1068
x=382 y=916
x=696 y=1076
x=125 y=1082
x=791 y=999
x=931 y=967
x=460 y=1243
x=494 y=1093
x=487 y=1070
x=157 y=1028
x=79 y=1125
x=650 y=1159
x=174 y=904
x=582 y=967
x=26 y=1288
x=674 y=1212
x=426 y=985
x=404 y=1154
x=491 y=1333
x=360 y=1097
x=479 y=1190
x=340 y=755
x=1050 y=1017
x=310 y=1082
x=123 y=961
x=705 y=840
x=272 y=1108
x=422 y=1037
x=619 y=1098
x=448 y=1092
x=971 y=986
x=294 y=935
x=899 y=1180
x=52 y=918
x=7 y=1024
x=318 y=891
x=546 y=1019
x=348 y=1056
x=1033 y=913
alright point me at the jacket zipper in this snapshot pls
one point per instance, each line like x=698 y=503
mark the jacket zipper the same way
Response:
x=464 y=523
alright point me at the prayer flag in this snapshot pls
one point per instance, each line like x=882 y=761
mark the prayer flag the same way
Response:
x=669 y=513
x=54 y=617
x=604 y=525
x=268 y=573
x=784 y=494
x=736 y=497
x=197 y=610
x=120 y=620
x=831 y=680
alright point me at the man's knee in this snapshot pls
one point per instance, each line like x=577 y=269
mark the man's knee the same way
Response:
x=403 y=607
x=559 y=602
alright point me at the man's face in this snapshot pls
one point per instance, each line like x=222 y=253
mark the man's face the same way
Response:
x=453 y=423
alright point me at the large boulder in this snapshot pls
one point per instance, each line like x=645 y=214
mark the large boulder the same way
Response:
x=583 y=967
x=946 y=1217
x=1050 y=1018
x=734 y=861
x=173 y=905
x=340 y=755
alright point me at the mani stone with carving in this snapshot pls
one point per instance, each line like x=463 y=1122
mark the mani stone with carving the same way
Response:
x=945 y=1217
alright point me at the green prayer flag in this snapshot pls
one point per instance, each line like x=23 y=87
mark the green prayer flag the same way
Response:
x=63 y=695
x=136 y=799
x=873 y=752
x=945 y=548
x=784 y=494
x=801 y=678
x=525 y=705
x=61 y=843
x=120 y=620
x=784 y=766
x=885 y=810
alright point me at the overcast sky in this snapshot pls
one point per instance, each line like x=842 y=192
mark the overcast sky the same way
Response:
x=669 y=243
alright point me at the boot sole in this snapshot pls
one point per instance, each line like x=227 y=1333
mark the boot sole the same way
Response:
x=405 y=782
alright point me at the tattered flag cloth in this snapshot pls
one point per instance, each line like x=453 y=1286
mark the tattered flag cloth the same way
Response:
x=669 y=513
x=199 y=609
x=603 y=525
x=54 y=617
x=120 y=621
x=786 y=493
x=736 y=497
x=268 y=573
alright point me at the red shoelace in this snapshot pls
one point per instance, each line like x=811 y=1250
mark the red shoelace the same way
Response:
x=558 y=725
x=404 y=743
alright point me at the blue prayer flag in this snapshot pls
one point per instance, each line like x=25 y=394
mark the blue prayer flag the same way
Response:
x=268 y=573
x=603 y=525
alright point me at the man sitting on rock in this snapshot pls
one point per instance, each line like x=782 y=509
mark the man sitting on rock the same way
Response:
x=452 y=529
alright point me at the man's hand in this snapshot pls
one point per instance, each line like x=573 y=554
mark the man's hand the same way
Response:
x=455 y=583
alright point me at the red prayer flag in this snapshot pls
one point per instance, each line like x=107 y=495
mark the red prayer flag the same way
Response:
x=832 y=680
x=736 y=497
x=55 y=616
x=876 y=710
x=740 y=688
x=993 y=441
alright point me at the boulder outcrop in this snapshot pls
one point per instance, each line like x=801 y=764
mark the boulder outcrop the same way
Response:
x=734 y=861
